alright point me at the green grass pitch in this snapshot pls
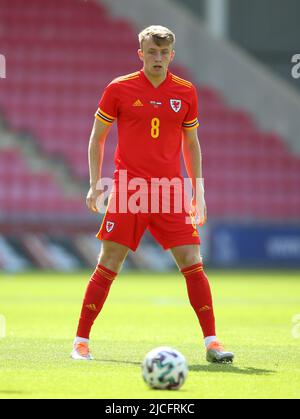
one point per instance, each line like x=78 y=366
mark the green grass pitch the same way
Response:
x=254 y=312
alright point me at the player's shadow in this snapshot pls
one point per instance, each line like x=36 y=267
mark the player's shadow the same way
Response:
x=118 y=361
x=229 y=368
x=11 y=392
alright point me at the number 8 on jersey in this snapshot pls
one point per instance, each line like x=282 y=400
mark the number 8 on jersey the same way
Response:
x=155 y=127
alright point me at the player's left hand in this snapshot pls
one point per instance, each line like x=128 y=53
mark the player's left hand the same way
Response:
x=199 y=210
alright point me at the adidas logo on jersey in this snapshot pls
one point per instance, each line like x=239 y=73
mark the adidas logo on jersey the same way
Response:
x=137 y=103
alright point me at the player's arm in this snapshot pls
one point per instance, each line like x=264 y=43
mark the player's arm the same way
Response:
x=193 y=163
x=95 y=157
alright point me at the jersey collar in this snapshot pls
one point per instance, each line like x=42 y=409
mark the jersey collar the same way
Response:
x=162 y=84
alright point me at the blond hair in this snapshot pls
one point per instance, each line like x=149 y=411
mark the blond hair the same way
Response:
x=159 y=34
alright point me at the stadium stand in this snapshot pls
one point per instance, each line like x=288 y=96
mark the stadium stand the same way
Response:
x=23 y=192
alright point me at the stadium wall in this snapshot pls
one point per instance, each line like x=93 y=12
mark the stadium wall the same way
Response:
x=247 y=245
x=244 y=82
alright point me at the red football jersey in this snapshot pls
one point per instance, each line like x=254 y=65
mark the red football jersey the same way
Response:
x=150 y=122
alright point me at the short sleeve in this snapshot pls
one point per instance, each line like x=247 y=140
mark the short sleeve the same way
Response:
x=191 y=117
x=108 y=105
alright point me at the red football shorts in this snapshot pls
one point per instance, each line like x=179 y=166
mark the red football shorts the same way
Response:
x=126 y=225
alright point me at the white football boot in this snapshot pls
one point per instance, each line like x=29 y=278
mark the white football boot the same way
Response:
x=81 y=352
x=215 y=353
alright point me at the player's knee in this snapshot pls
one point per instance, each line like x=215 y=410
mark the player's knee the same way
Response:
x=111 y=260
x=190 y=260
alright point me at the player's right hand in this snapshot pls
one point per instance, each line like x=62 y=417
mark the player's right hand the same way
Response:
x=92 y=197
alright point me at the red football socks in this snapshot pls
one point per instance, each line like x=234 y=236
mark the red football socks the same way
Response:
x=200 y=297
x=96 y=293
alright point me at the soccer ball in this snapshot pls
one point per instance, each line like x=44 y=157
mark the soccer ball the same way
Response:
x=164 y=368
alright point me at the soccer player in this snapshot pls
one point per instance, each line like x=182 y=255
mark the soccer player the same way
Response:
x=156 y=112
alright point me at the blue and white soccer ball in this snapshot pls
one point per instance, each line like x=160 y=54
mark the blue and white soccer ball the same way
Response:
x=164 y=368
